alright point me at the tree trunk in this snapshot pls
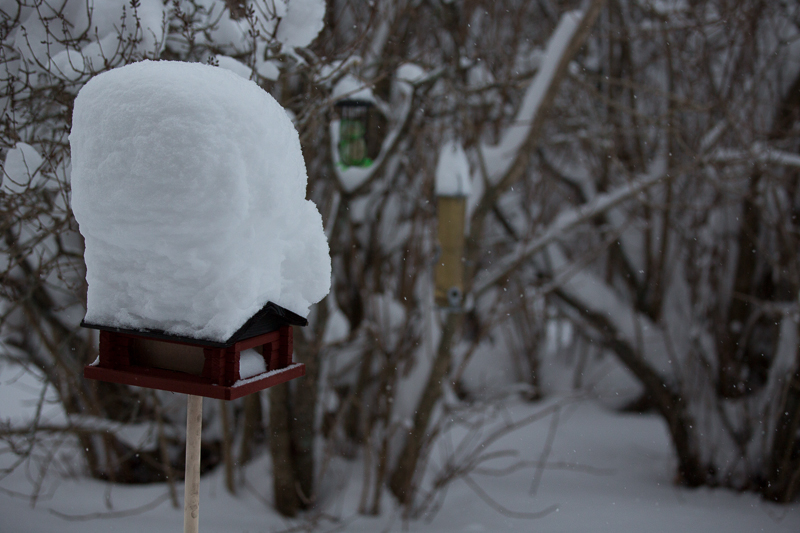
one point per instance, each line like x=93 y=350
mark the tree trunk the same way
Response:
x=667 y=401
x=293 y=423
x=303 y=421
x=783 y=479
x=252 y=427
x=402 y=478
x=354 y=421
x=731 y=381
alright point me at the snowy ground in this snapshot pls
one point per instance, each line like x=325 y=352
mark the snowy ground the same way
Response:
x=618 y=478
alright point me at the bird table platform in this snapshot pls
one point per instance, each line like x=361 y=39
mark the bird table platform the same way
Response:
x=257 y=356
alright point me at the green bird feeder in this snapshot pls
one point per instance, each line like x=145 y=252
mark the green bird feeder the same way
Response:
x=353 y=124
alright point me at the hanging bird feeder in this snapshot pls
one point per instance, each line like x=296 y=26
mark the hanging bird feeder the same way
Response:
x=354 y=104
x=452 y=188
x=353 y=124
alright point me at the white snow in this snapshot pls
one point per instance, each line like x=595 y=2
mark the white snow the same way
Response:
x=452 y=171
x=607 y=473
x=251 y=363
x=257 y=377
x=235 y=66
x=479 y=75
x=668 y=7
x=566 y=222
x=226 y=33
x=69 y=64
x=266 y=68
x=500 y=157
x=301 y=24
x=410 y=73
x=21 y=168
x=188 y=184
x=349 y=87
x=758 y=153
x=104 y=21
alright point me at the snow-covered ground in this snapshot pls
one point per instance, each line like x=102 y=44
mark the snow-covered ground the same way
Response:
x=611 y=472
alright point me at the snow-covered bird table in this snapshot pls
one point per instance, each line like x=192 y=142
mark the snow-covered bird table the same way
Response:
x=202 y=252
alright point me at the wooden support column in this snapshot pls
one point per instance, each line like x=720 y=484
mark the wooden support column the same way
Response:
x=221 y=365
x=230 y=358
x=273 y=348
x=286 y=347
x=214 y=366
x=114 y=350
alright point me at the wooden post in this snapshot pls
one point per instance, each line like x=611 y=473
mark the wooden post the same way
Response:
x=191 y=495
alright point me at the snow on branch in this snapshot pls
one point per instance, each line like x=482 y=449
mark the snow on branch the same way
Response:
x=573 y=27
x=564 y=223
x=758 y=153
x=500 y=157
x=646 y=353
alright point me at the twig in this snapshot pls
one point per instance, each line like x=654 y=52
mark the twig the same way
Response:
x=558 y=465
x=505 y=510
x=548 y=447
x=113 y=514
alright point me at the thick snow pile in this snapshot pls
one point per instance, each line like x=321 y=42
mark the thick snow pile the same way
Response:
x=251 y=363
x=188 y=184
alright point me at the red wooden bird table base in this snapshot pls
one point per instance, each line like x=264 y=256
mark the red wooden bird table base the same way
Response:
x=196 y=369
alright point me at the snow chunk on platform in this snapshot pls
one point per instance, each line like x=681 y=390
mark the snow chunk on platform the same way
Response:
x=188 y=184
x=251 y=363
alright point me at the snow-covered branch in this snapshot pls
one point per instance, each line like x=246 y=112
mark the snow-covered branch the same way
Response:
x=562 y=225
x=504 y=163
x=758 y=153
x=501 y=156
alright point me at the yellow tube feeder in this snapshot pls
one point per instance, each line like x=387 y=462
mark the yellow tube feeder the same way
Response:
x=452 y=189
